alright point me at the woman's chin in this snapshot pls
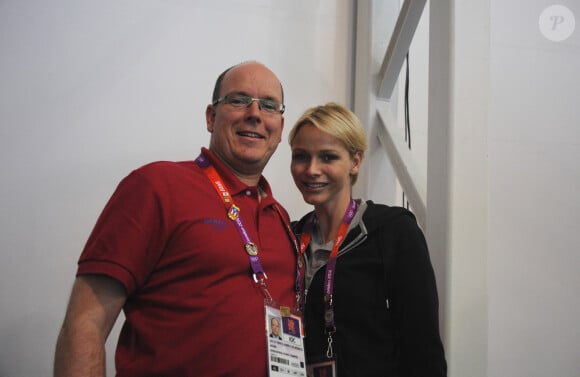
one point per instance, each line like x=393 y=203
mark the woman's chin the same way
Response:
x=311 y=199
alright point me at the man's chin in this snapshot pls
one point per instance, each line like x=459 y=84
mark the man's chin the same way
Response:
x=253 y=158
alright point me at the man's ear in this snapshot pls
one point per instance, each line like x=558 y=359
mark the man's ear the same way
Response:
x=210 y=117
x=282 y=128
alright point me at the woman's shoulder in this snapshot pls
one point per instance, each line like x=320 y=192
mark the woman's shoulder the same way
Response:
x=385 y=211
x=297 y=225
x=378 y=215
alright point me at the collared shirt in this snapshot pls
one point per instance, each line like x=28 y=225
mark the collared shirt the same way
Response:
x=165 y=236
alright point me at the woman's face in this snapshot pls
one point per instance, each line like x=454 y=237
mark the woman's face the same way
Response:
x=322 y=166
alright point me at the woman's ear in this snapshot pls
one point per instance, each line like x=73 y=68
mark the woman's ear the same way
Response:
x=357 y=160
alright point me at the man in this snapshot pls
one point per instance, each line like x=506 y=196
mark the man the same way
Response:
x=173 y=252
x=275 y=328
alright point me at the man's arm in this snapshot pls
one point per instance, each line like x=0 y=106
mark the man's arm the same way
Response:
x=94 y=306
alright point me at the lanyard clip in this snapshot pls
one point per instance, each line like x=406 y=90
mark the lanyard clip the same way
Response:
x=329 y=349
x=261 y=279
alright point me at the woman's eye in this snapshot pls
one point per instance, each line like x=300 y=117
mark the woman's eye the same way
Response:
x=329 y=157
x=299 y=157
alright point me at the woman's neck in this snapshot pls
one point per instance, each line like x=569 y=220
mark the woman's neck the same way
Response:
x=330 y=217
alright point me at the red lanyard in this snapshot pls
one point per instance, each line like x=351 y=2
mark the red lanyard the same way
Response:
x=331 y=263
x=233 y=213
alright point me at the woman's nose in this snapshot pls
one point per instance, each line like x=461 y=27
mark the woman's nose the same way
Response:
x=313 y=167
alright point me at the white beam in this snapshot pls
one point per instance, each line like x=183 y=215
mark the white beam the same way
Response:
x=398 y=47
x=403 y=162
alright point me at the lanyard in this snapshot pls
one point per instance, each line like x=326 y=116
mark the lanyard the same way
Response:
x=330 y=327
x=233 y=213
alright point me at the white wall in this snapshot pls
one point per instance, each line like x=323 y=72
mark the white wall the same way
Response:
x=512 y=282
x=92 y=89
x=534 y=186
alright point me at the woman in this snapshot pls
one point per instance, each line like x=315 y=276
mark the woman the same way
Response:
x=371 y=305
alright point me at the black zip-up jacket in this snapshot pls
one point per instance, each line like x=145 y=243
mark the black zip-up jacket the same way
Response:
x=385 y=300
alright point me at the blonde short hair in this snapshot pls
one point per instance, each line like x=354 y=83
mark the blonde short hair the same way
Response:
x=338 y=121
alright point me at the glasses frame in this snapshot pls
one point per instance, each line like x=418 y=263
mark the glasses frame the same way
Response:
x=280 y=110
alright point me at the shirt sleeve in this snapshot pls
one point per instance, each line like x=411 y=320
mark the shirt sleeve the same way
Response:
x=128 y=237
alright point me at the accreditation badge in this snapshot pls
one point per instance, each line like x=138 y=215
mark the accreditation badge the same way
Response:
x=284 y=334
x=323 y=369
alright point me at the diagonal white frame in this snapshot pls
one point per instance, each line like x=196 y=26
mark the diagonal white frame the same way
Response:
x=402 y=160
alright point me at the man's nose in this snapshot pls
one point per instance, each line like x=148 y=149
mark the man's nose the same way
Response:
x=254 y=110
x=255 y=100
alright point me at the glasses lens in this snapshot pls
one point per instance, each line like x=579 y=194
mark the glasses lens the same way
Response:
x=238 y=100
x=269 y=105
x=242 y=100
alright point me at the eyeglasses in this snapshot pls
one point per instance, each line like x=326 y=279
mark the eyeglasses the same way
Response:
x=240 y=101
